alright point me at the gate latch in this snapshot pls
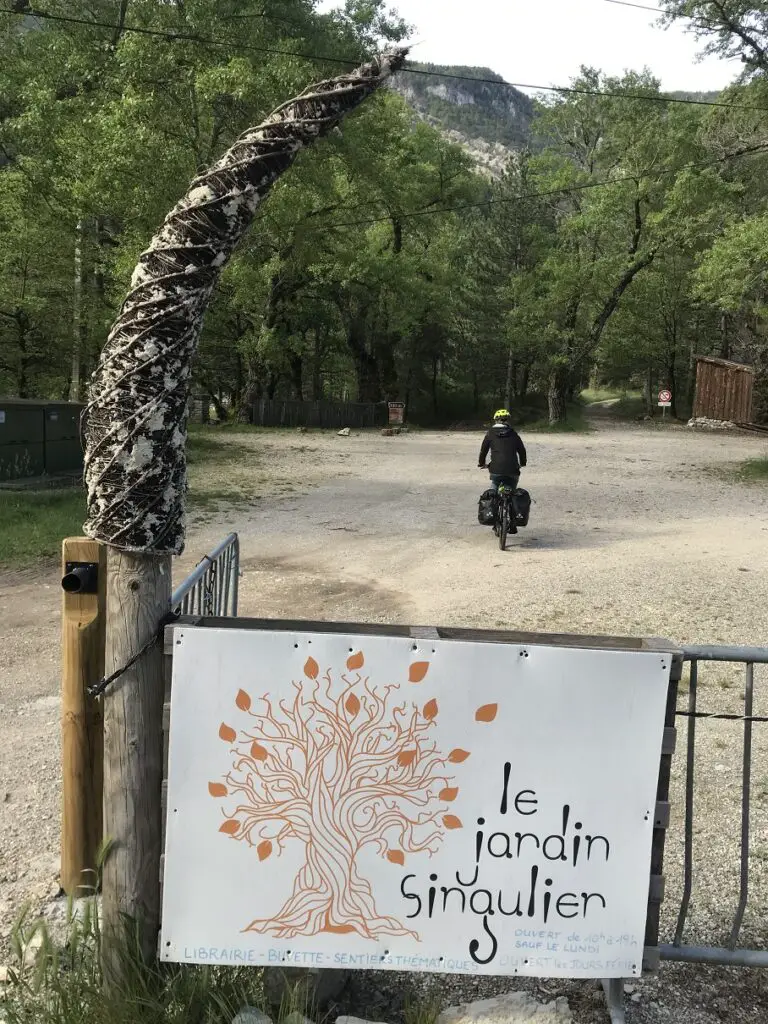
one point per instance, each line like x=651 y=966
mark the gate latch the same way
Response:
x=81 y=578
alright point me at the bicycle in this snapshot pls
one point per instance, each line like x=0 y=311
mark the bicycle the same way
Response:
x=506 y=514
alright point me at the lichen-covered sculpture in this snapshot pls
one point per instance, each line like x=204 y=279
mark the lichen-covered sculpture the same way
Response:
x=135 y=419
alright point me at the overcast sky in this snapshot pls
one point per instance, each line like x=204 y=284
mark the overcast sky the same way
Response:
x=544 y=42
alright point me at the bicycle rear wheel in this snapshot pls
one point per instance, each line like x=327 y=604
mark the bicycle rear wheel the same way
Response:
x=503 y=523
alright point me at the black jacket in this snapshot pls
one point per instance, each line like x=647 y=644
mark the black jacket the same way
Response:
x=506 y=448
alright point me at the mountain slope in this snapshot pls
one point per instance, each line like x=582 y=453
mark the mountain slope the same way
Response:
x=491 y=121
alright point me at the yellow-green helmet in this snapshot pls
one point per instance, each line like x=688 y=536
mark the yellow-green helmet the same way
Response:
x=502 y=414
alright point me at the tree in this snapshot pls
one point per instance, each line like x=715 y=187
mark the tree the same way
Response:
x=342 y=766
x=732 y=29
x=617 y=161
x=35 y=280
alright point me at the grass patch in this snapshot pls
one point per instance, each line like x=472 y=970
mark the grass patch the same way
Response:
x=627 y=405
x=575 y=423
x=629 y=408
x=222 y=472
x=59 y=980
x=33 y=524
x=204 y=449
x=591 y=395
x=422 y=1009
x=754 y=471
x=52 y=985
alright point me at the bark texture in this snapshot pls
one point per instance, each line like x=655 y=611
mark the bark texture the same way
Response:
x=135 y=420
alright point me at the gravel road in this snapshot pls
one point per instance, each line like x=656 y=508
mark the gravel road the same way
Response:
x=635 y=531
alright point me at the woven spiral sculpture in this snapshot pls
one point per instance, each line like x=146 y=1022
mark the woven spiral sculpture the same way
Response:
x=135 y=422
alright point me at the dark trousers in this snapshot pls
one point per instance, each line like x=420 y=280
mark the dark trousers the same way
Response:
x=508 y=481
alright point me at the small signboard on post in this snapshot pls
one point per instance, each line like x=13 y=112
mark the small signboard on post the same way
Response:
x=396 y=413
x=400 y=802
x=665 y=400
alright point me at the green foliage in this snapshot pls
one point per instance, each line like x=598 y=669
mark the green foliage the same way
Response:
x=383 y=265
x=732 y=274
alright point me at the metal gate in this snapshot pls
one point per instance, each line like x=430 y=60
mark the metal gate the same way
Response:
x=212 y=586
x=730 y=951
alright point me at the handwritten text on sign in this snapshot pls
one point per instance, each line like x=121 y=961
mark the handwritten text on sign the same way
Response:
x=360 y=801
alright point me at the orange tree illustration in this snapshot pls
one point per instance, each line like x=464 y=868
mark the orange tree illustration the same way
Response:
x=337 y=767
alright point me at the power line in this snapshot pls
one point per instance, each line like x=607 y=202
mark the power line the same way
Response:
x=575 y=90
x=189 y=37
x=639 y=7
x=565 y=190
x=327 y=59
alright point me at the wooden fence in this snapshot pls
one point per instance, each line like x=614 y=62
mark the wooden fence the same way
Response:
x=274 y=412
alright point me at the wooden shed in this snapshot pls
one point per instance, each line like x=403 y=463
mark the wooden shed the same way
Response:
x=723 y=390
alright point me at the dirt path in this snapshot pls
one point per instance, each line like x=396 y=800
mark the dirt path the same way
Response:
x=631 y=533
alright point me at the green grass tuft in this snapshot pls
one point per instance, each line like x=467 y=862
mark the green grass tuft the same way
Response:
x=34 y=523
x=754 y=470
x=65 y=985
x=422 y=1009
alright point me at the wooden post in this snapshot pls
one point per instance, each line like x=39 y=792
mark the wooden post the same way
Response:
x=82 y=650
x=138 y=596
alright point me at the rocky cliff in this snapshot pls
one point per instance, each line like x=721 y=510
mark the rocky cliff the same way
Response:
x=490 y=120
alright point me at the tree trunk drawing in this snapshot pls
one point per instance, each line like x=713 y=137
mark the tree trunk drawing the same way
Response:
x=135 y=421
x=341 y=766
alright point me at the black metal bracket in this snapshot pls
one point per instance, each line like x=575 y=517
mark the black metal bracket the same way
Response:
x=81 y=578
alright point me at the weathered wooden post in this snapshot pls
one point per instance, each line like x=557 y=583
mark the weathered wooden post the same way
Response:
x=82 y=662
x=135 y=466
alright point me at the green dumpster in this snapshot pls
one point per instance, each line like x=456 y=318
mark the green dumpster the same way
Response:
x=39 y=438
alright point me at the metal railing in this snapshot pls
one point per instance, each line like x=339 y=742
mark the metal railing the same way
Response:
x=212 y=586
x=730 y=954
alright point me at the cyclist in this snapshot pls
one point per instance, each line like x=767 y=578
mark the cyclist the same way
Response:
x=507 y=450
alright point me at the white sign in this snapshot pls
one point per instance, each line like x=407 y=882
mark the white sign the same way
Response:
x=376 y=802
x=665 y=398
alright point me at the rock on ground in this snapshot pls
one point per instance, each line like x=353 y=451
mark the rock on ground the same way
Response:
x=250 y=1015
x=355 y=1020
x=512 y=1008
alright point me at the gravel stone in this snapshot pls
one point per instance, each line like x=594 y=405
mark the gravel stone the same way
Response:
x=511 y=1008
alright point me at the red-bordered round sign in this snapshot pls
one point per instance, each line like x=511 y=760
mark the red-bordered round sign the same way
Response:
x=665 y=396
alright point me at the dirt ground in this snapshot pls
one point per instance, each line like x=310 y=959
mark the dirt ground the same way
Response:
x=634 y=531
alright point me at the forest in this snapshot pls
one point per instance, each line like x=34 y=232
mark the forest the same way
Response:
x=628 y=233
